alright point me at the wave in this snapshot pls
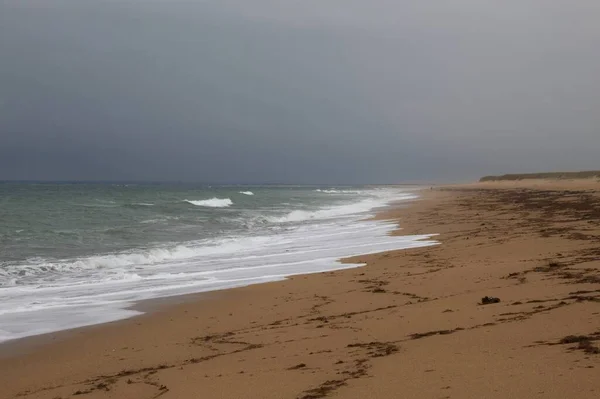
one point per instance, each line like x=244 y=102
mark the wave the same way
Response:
x=186 y=251
x=136 y=205
x=51 y=293
x=336 y=211
x=153 y=221
x=109 y=204
x=247 y=192
x=36 y=267
x=159 y=219
x=334 y=191
x=212 y=203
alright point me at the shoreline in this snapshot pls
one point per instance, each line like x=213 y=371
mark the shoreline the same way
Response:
x=409 y=322
x=145 y=307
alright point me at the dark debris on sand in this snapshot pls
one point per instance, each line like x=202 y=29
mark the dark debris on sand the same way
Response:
x=486 y=300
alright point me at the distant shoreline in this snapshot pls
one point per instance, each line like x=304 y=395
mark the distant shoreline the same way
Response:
x=546 y=175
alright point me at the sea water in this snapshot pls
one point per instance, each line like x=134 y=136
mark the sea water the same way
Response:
x=78 y=254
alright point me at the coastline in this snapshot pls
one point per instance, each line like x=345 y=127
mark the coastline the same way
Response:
x=408 y=322
x=291 y=244
x=17 y=346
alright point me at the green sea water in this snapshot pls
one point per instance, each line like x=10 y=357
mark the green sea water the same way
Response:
x=74 y=254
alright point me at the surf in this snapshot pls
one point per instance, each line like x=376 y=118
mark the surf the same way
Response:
x=212 y=203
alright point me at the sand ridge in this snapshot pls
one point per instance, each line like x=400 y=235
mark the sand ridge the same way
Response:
x=410 y=324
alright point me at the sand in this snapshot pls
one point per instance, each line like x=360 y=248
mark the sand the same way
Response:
x=407 y=325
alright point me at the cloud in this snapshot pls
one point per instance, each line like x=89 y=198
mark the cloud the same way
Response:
x=297 y=91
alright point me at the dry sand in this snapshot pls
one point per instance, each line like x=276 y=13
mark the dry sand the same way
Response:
x=408 y=325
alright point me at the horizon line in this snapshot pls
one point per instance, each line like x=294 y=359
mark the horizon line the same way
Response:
x=58 y=181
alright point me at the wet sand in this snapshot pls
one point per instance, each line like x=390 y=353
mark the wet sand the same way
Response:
x=409 y=324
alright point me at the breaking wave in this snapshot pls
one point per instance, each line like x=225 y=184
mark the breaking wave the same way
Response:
x=336 y=211
x=334 y=191
x=212 y=203
x=283 y=234
x=102 y=264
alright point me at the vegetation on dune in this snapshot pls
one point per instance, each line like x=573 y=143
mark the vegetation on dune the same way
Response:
x=549 y=175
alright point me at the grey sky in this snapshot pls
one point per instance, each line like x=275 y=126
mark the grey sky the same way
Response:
x=310 y=91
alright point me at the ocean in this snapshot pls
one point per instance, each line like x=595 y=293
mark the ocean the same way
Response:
x=79 y=254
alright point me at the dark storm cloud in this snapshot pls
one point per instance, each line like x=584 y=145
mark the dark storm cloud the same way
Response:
x=296 y=91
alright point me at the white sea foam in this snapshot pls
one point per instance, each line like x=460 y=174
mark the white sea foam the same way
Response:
x=336 y=211
x=334 y=191
x=159 y=219
x=48 y=295
x=212 y=203
x=152 y=221
x=47 y=269
x=247 y=192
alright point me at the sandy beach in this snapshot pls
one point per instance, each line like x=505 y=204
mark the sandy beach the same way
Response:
x=410 y=324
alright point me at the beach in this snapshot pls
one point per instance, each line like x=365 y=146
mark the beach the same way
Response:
x=409 y=324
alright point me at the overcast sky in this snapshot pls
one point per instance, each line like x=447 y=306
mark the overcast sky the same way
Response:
x=307 y=91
